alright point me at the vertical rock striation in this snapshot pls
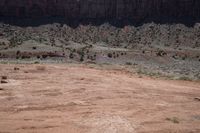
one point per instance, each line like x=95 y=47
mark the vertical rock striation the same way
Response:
x=136 y=10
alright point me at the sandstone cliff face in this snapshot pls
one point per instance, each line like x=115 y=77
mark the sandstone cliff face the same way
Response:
x=101 y=9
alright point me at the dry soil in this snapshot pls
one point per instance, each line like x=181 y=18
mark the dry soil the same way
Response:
x=81 y=99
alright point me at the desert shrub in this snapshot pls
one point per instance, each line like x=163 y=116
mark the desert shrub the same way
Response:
x=25 y=57
x=128 y=63
x=183 y=58
x=161 y=53
x=3 y=43
x=14 y=41
x=18 y=52
x=52 y=41
x=109 y=55
x=82 y=58
x=175 y=56
x=184 y=78
x=44 y=56
x=174 y=120
x=71 y=56
x=36 y=62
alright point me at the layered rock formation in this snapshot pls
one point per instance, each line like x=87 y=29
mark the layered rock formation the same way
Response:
x=102 y=9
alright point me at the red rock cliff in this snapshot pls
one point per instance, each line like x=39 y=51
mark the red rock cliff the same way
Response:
x=105 y=9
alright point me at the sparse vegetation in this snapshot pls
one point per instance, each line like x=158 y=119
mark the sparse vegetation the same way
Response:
x=144 y=44
x=41 y=68
x=15 y=41
x=174 y=120
x=110 y=55
x=82 y=58
x=128 y=63
x=161 y=53
x=44 y=56
x=18 y=52
x=36 y=62
x=185 y=78
x=71 y=56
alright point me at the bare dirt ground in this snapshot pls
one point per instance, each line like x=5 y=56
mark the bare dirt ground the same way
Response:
x=80 y=99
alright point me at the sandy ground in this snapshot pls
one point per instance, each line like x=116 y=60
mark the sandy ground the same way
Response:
x=81 y=99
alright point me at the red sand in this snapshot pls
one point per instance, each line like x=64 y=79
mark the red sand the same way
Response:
x=80 y=99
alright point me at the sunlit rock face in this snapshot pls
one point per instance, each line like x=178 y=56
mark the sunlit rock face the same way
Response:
x=102 y=9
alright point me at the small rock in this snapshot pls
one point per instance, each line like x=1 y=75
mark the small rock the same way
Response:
x=16 y=68
x=4 y=77
x=3 y=82
x=197 y=98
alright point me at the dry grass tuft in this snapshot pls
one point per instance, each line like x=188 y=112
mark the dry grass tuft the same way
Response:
x=41 y=68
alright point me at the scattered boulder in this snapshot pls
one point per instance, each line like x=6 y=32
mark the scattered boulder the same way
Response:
x=197 y=99
x=4 y=82
x=16 y=68
x=4 y=77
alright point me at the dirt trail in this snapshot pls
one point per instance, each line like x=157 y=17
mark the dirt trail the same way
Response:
x=80 y=99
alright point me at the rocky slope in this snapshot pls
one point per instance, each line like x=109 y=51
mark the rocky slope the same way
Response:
x=153 y=49
x=137 y=10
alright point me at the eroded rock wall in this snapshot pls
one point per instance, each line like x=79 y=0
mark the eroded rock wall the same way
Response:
x=103 y=9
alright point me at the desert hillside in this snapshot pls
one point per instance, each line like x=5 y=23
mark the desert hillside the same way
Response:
x=153 y=49
x=99 y=66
